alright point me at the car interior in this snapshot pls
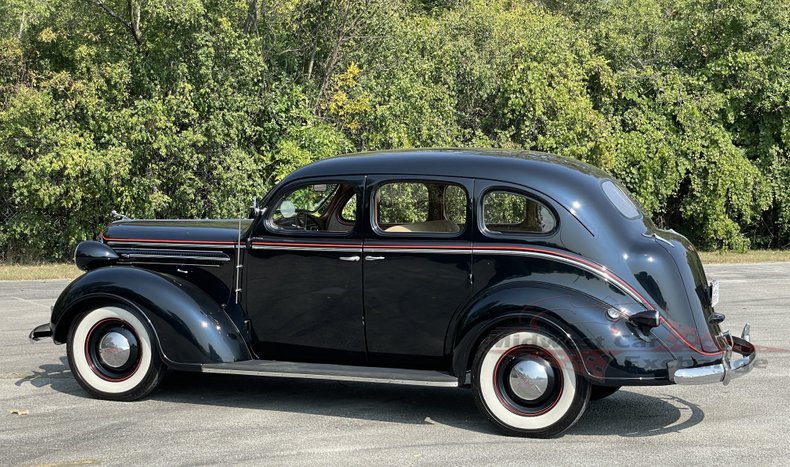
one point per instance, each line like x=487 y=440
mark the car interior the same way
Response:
x=399 y=207
x=408 y=207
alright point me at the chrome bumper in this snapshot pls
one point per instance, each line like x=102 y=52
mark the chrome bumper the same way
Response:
x=728 y=368
x=40 y=332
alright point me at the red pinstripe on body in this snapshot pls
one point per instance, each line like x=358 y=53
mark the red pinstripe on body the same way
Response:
x=578 y=259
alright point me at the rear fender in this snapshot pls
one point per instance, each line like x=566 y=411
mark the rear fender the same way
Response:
x=606 y=349
x=189 y=326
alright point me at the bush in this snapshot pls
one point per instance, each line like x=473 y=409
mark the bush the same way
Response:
x=202 y=105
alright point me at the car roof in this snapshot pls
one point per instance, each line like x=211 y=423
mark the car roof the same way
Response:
x=495 y=164
x=573 y=186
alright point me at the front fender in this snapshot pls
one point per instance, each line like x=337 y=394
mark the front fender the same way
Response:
x=189 y=326
x=610 y=351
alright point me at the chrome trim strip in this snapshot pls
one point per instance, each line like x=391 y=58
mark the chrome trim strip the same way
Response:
x=308 y=248
x=159 y=263
x=121 y=250
x=181 y=219
x=603 y=275
x=656 y=237
x=177 y=257
x=238 y=269
x=361 y=379
x=182 y=245
x=449 y=251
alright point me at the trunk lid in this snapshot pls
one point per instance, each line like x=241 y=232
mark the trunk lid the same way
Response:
x=695 y=282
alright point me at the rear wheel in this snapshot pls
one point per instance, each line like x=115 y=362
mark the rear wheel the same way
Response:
x=525 y=382
x=111 y=354
x=599 y=392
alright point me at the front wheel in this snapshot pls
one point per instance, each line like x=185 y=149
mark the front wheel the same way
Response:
x=111 y=354
x=525 y=383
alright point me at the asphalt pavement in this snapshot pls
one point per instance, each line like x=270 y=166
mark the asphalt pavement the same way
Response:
x=46 y=418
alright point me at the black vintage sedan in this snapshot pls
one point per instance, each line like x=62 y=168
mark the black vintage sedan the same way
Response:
x=534 y=279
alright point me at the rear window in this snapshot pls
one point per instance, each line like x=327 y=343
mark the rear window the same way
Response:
x=620 y=200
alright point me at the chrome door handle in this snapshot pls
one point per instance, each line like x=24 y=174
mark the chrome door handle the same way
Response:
x=349 y=258
x=373 y=258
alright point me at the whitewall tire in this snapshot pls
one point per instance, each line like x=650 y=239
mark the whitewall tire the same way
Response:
x=526 y=382
x=112 y=355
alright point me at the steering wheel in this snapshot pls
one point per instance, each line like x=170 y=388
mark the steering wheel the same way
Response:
x=301 y=220
x=306 y=221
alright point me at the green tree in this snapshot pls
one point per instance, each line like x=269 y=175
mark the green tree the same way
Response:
x=189 y=109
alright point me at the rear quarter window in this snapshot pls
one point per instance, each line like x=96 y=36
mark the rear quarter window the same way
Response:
x=511 y=212
x=620 y=200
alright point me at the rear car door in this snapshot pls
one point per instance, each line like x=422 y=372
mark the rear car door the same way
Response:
x=417 y=266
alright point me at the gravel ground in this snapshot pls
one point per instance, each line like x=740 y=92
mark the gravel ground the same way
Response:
x=212 y=419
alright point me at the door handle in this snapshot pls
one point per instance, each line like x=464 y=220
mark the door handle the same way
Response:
x=349 y=258
x=373 y=258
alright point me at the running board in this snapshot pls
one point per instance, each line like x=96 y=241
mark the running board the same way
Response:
x=333 y=372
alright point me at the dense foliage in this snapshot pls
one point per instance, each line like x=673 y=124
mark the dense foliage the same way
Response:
x=162 y=108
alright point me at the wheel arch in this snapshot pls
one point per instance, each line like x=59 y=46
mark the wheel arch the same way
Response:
x=90 y=302
x=565 y=313
x=189 y=327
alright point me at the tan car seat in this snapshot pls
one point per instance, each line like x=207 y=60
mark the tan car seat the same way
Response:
x=440 y=226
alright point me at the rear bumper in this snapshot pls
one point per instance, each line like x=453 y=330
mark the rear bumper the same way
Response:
x=728 y=368
x=40 y=332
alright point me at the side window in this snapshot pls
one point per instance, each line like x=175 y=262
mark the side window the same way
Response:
x=402 y=203
x=349 y=211
x=455 y=204
x=510 y=212
x=313 y=207
x=426 y=207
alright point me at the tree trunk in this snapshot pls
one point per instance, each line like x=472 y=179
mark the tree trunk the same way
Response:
x=22 y=25
x=134 y=16
x=133 y=25
x=251 y=23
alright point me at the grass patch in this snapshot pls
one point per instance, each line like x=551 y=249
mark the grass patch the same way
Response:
x=752 y=256
x=15 y=272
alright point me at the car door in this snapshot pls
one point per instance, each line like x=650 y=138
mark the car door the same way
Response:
x=304 y=273
x=417 y=266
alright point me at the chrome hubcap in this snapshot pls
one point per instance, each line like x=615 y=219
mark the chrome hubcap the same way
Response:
x=114 y=349
x=529 y=378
